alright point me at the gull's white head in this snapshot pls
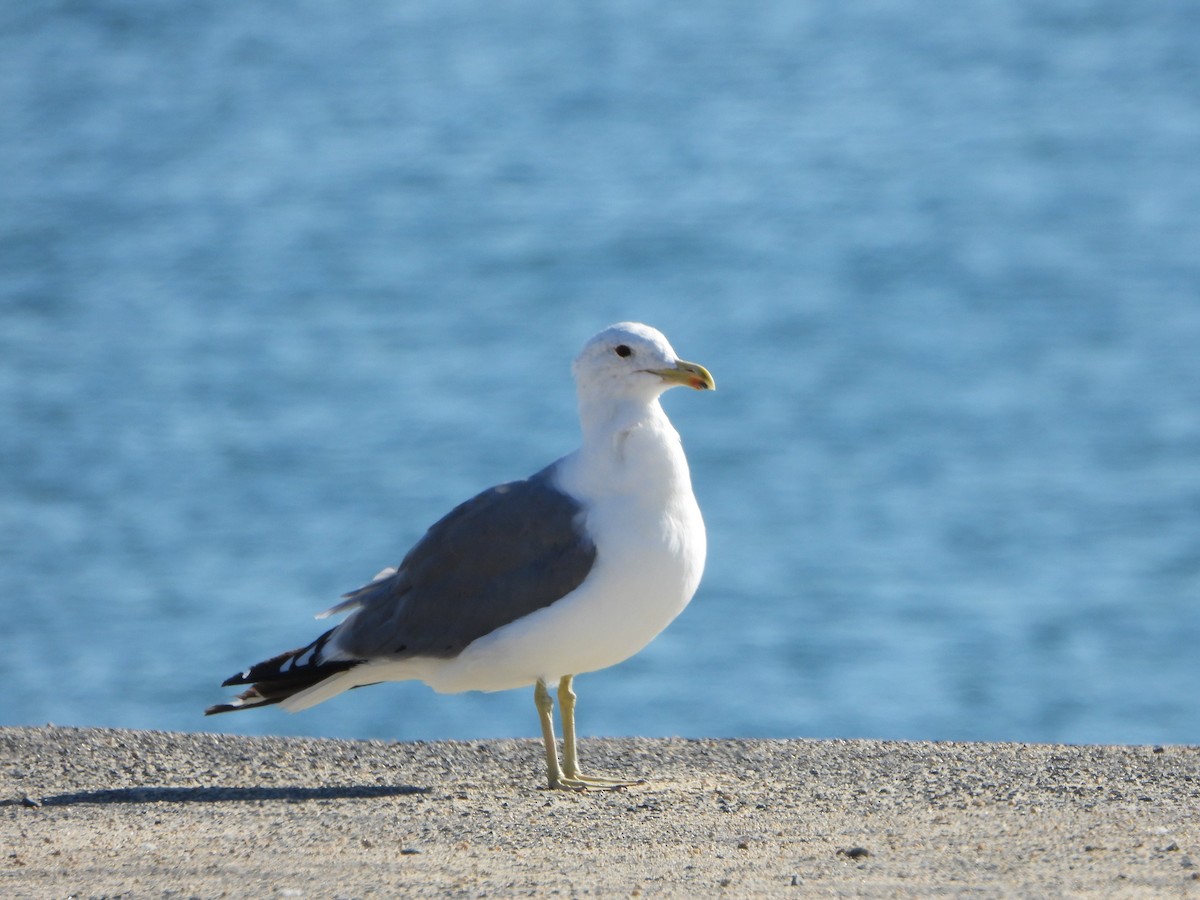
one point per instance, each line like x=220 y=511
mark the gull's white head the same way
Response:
x=634 y=361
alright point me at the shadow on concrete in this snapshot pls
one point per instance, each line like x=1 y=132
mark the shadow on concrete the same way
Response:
x=227 y=794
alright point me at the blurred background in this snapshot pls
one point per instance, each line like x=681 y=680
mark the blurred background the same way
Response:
x=280 y=283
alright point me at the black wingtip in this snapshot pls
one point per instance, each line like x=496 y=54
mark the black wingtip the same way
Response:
x=274 y=680
x=250 y=699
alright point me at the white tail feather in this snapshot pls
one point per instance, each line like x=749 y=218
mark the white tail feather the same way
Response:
x=319 y=692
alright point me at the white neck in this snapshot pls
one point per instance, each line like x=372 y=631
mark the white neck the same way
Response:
x=602 y=415
x=629 y=447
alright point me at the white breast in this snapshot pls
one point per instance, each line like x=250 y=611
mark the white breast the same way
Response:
x=650 y=550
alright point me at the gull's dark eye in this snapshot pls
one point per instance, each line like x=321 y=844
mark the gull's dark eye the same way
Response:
x=622 y=350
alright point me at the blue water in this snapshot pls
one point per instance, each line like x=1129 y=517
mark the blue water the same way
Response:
x=281 y=283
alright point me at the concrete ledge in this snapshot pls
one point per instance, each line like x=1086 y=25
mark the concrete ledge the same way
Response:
x=91 y=812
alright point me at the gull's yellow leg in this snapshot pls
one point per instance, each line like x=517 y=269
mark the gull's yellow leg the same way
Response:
x=566 y=709
x=545 y=708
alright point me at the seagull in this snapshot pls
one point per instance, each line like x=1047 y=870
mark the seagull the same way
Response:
x=533 y=582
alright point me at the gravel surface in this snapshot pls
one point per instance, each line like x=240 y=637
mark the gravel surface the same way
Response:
x=107 y=813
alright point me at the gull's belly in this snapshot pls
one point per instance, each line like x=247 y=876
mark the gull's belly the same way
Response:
x=645 y=574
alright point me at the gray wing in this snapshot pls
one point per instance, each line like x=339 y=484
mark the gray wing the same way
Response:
x=503 y=554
